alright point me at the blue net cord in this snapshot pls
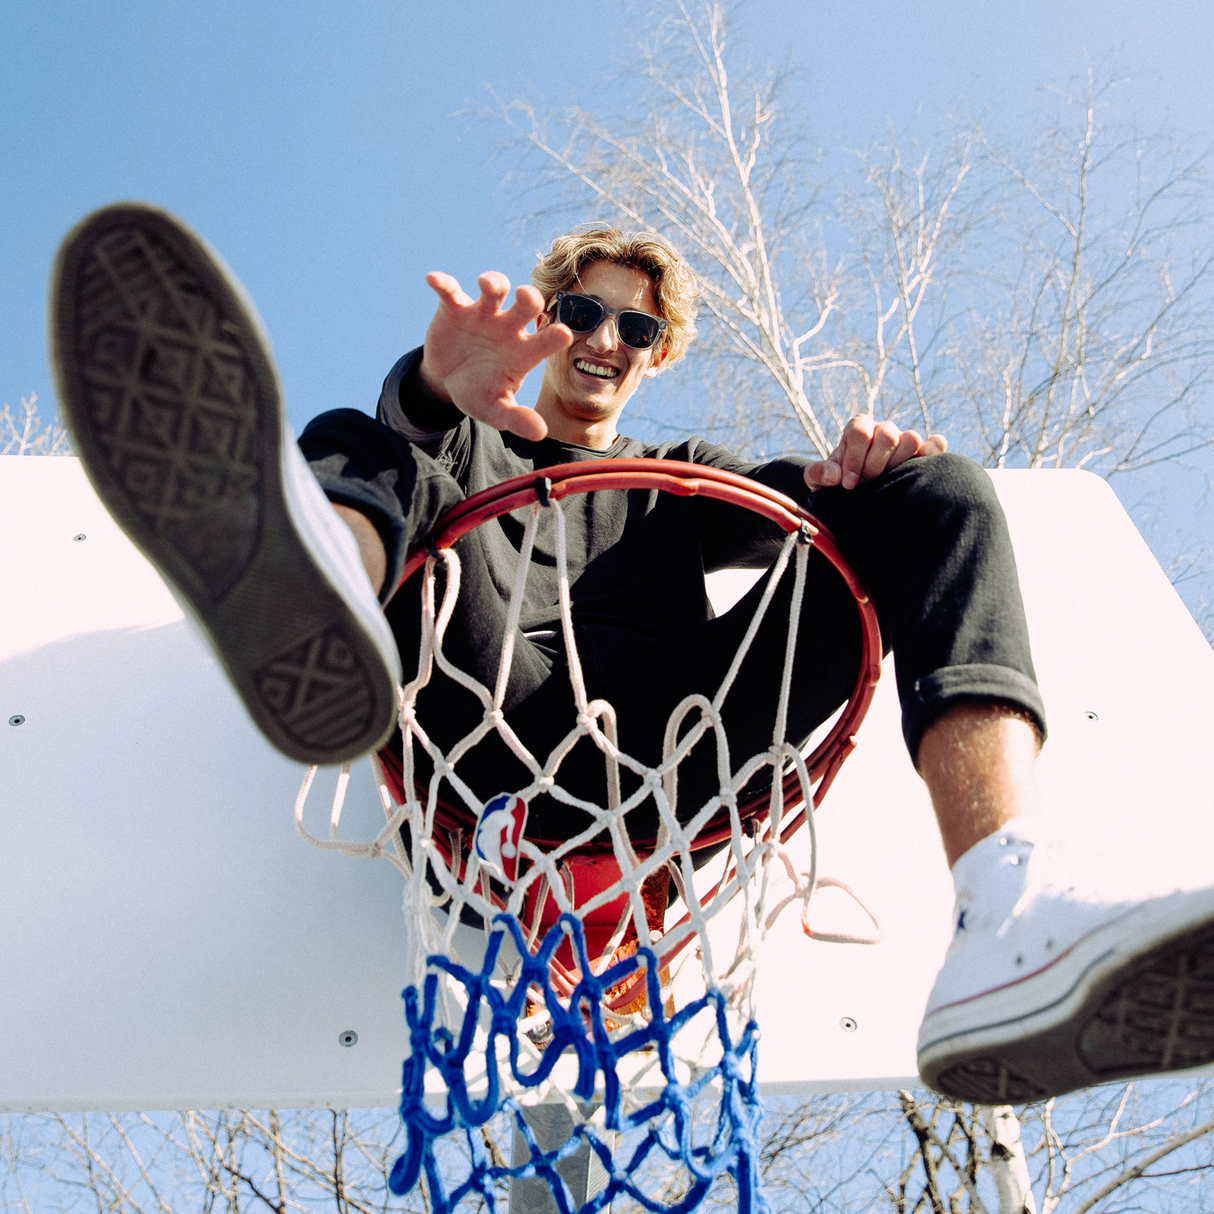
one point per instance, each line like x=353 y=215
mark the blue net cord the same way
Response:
x=669 y=1120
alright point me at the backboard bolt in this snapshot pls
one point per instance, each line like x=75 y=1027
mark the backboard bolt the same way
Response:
x=348 y=1038
x=1092 y=716
x=80 y=537
x=848 y=1025
x=16 y=719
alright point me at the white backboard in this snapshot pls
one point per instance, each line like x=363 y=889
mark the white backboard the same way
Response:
x=168 y=941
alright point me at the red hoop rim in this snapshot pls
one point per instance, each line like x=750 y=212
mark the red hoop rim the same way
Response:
x=685 y=480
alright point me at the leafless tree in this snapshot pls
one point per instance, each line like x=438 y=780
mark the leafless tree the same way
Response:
x=138 y=1163
x=1048 y=301
x=1145 y=1146
x=1122 y=1147
x=22 y=431
x=1092 y=345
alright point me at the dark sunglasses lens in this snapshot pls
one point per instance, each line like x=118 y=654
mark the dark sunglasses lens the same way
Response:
x=637 y=330
x=579 y=313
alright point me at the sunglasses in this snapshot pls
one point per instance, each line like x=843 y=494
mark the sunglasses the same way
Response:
x=583 y=315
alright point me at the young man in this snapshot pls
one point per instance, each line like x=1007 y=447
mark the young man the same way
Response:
x=172 y=400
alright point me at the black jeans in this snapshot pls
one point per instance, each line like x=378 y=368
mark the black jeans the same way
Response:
x=928 y=539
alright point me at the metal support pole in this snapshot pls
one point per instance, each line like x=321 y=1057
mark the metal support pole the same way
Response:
x=582 y=1172
x=1009 y=1168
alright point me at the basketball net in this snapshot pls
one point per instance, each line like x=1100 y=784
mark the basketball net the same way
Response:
x=544 y=971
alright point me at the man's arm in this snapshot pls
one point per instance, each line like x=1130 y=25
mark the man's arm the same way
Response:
x=866 y=449
x=476 y=355
x=411 y=409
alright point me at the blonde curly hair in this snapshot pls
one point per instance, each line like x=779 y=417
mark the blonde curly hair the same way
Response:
x=674 y=284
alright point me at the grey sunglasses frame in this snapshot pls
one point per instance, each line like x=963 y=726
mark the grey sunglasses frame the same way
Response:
x=614 y=313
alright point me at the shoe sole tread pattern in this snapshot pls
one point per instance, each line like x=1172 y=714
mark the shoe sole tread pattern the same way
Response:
x=173 y=406
x=1151 y=1016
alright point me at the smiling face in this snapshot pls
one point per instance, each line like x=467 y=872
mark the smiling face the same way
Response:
x=586 y=386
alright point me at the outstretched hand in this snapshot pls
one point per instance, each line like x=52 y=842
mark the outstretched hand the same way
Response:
x=477 y=355
x=866 y=449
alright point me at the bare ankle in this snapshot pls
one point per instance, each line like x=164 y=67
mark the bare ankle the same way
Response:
x=370 y=546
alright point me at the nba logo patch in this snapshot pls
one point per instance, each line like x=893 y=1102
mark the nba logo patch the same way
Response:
x=499 y=830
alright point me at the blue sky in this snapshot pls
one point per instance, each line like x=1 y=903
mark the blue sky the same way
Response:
x=321 y=148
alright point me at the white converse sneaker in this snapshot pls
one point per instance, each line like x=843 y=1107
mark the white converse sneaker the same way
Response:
x=167 y=386
x=1045 y=989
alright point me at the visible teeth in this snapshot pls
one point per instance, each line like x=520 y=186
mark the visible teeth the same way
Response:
x=595 y=369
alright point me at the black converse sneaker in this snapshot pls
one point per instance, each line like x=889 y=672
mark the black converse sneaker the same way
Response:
x=166 y=383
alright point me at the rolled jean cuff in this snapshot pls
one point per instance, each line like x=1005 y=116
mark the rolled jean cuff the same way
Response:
x=933 y=695
x=362 y=464
x=342 y=490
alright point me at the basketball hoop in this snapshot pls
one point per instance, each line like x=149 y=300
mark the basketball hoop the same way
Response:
x=577 y=987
